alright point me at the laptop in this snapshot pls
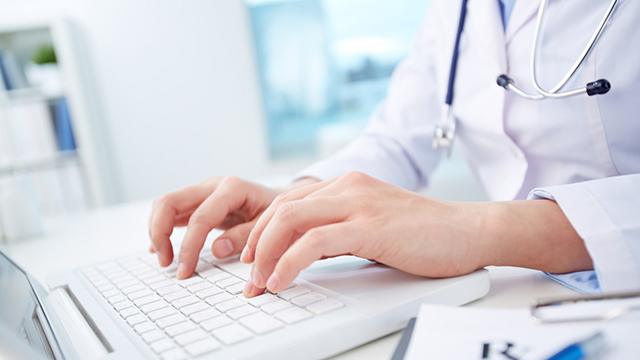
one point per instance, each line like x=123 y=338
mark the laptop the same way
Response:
x=131 y=308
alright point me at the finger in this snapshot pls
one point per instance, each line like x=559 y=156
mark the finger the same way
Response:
x=232 y=241
x=248 y=255
x=230 y=195
x=165 y=210
x=290 y=221
x=151 y=249
x=321 y=242
x=182 y=219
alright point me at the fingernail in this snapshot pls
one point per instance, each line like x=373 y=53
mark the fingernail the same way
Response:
x=273 y=282
x=256 y=278
x=181 y=273
x=245 y=254
x=248 y=287
x=223 y=248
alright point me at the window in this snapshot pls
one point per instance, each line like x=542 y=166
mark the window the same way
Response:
x=326 y=61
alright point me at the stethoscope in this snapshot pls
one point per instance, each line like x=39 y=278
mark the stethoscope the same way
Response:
x=445 y=131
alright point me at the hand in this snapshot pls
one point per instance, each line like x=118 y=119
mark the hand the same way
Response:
x=229 y=204
x=355 y=214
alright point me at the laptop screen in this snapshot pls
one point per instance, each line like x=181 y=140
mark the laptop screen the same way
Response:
x=19 y=310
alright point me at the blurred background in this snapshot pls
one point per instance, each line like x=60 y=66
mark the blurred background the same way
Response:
x=103 y=102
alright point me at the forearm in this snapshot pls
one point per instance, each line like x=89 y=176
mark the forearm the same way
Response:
x=531 y=234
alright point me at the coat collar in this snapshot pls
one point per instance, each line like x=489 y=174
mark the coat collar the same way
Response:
x=523 y=12
x=485 y=26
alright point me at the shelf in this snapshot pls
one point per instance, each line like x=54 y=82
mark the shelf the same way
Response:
x=59 y=159
x=28 y=94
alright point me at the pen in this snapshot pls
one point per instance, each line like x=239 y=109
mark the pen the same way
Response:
x=582 y=349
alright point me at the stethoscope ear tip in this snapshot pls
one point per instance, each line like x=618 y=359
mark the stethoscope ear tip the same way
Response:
x=598 y=87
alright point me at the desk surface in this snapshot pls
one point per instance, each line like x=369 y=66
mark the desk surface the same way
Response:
x=116 y=231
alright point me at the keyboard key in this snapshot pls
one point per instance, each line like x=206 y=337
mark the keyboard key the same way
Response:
x=173 y=354
x=241 y=311
x=202 y=267
x=273 y=307
x=148 y=274
x=156 y=305
x=116 y=298
x=120 y=277
x=159 y=314
x=209 y=272
x=141 y=293
x=160 y=284
x=182 y=302
x=232 y=334
x=190 y=281
x=216 y=322
x=202 y=347
x=152 y=336
x=154 y=279
x=145 y=300
x=260 y=323
x=308 y=299
x=324 y=306
x=194 y=308
x=229 y=304
x=110 y=293
x=179 y=328
x=122 y=305
x=228 y=282
x=176 y=295
x=219 y=298
x=293 y=315
x=130 y=311
x=136 y=319
x=217 y=277
x=169 y=289
x=208 y=257
x=131 y=289
x=124 y=284
x=214 y=290
x=144 y=327
x=260 y=300
x=201 y=286
x=205 y=315
x=293 y=292
x=189 y=337
x=236 y=289
x=105 y=288
x=170 y=320
x=162 y=345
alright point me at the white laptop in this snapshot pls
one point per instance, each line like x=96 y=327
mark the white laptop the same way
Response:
x=130 y=308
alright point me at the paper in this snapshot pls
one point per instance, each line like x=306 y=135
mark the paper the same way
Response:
x=448 y=333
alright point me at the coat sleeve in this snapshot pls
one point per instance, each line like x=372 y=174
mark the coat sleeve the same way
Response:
x=606 y=215
x=396 y=144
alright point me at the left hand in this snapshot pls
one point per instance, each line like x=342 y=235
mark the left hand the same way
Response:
x=355 y=214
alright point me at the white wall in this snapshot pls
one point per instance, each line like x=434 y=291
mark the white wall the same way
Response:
x=176 y=85
x=178 y=93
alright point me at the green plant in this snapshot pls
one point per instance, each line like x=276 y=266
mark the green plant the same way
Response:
x=44 y=54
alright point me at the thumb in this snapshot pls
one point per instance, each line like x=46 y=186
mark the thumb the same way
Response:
x=232 y=241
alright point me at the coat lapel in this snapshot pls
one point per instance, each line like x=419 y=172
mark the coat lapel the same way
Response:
x=485 y=26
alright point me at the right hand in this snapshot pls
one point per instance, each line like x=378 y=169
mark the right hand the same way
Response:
x=229 y=204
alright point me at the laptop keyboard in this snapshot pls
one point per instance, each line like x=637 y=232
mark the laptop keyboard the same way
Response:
x=202 y=314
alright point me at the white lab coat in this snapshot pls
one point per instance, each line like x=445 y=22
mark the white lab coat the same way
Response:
x=514 y=145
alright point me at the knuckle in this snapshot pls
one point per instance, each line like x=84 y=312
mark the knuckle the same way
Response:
x=164 y=201
x=316 y=239
x=198 y=218
x=286 y=211
x=231 y=181
x=281 y=198
x=285 y=264
x=356 y=176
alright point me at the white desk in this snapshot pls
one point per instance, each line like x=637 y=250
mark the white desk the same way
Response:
x=120 y=230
